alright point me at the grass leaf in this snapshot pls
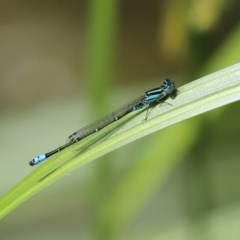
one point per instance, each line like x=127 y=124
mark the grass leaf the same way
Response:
x=199 y=96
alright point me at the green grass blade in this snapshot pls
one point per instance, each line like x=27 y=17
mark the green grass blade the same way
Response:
x=202 y=95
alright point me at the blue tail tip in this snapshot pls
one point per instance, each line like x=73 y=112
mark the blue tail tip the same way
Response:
x=37 y=160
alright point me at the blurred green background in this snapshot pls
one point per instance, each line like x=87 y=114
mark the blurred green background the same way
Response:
x=66 y=63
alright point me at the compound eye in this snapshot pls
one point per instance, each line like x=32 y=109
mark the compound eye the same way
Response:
x=166 y=81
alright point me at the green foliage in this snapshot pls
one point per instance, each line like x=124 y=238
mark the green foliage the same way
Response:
x=187 y=31
x=199 y=96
